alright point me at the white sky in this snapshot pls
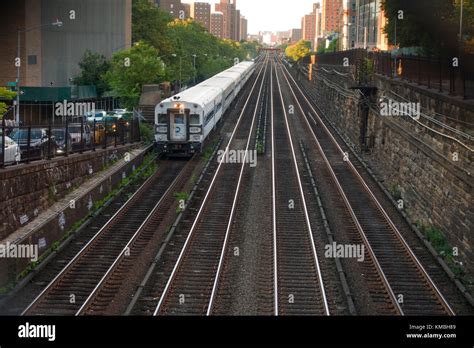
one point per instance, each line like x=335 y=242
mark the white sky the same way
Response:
x=271 y=15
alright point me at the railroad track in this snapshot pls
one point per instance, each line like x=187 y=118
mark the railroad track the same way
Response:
x=407 y=285
x=71 y=288
x=298 y=282
x=187 y=281
x=111 y=283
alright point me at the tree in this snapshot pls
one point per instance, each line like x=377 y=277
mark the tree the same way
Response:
x=299 y=50
x=322 y=47
x=435 y=32
x=133 y=68
x=177 y=41
x=333 y=46
x=150 y=25
x=93 y=68
x=5 y=94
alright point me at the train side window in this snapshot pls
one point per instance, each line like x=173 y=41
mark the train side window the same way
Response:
x=162 y=119
x=194 y=120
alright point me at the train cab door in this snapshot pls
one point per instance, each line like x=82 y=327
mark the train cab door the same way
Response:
x=178 y=122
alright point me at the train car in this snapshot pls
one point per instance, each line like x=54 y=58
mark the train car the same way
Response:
x=184 y=121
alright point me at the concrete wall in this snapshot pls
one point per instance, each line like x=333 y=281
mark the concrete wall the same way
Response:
x=102 y=26
x=12 y=18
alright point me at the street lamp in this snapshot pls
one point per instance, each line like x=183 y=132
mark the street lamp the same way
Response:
x=180 y=68
x=58 y=24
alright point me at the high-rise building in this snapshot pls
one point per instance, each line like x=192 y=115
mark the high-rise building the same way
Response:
x=370 y=21
x=243 y=28
x=348 y=29
x=187 y=10
x=49 y=54
x=231 y=21
x=295 y=35
x=331 y=13
x=310 y=25
x=174 y=7
x=236 y=26
x=217 y=24
x=201 y=13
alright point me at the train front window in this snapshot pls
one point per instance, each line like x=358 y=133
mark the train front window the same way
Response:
x=162 y=119
x=178 y=119
x=194 y=120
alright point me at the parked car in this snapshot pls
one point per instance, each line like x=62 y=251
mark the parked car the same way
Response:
x=75 y=130
x=39 y=144
x=60 y=138
x=120 y=111
x=97 y=116
x=99 y=134
x=12 y=150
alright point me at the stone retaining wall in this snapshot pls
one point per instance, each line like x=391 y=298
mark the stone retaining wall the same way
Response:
x=27 y=190
x=431 y=172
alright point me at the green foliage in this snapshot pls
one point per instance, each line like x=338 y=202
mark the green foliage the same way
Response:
x=322 y=47
x=93 y=68
x=251 y=48
x=395 y=191
x=439 y=242
x=333 y=46
x=189 y=38
x=163 y=51
x=147 y=133
x=435 y=32
x=133 y=68
x=207 y=153
x=150 y=25
x=299 y=50
x=182 y=198
x=5 y=94
x=468 y=22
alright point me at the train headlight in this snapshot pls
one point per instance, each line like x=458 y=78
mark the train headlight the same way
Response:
x=194 y=130
x=195 y=138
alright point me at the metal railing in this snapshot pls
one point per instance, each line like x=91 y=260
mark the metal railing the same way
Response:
x=442 y=74
x=24 y=144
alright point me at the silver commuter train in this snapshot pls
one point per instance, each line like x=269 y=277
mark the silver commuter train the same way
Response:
x=184 y=121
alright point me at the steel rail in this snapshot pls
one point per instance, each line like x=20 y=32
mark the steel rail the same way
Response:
x=234 y=203
x=303 y=198
x=196 y=220
x=392 y=226
x=86 y=247
x=128 y=247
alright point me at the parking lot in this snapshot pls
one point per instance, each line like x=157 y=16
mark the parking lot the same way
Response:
x=23 y=144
